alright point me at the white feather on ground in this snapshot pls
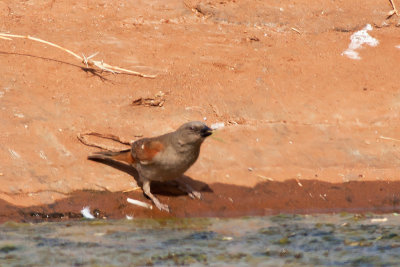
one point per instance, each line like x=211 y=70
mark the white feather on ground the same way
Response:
x=86 y=213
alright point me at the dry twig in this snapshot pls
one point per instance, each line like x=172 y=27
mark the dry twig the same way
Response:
x=157 y=101
x=389 y=138
x=81 y=137
x=88 y=61
x=131 y=189
x=393 y=11
x=296 y=30
x=139 y=203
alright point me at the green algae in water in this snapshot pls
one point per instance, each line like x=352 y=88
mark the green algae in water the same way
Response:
x=180 y=258
x=7 y=248
x=283 y=218
x=283 y=241
x=289 y=240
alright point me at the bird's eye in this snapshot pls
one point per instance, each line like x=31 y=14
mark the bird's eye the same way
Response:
x=192 y=128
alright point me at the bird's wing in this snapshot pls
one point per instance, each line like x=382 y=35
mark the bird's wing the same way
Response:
x=144 y=150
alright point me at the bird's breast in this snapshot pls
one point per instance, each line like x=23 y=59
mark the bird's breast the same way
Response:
x=170 y=164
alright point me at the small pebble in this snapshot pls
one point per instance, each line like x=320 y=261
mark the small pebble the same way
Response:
x=217 y=125
x=19 y=115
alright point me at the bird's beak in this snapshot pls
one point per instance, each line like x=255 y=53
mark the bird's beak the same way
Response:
x=206 y=131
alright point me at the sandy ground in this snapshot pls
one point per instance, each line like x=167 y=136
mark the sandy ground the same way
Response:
x=295 y=108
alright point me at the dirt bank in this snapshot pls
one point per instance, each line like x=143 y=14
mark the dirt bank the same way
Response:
x=221 y=200
x=294 y=107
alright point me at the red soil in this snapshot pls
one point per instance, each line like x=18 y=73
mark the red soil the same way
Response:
x=294 y=107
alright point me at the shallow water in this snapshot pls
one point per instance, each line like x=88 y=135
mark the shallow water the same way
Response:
x=290 y=240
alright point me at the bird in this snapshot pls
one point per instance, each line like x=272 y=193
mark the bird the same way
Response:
x=163 y=158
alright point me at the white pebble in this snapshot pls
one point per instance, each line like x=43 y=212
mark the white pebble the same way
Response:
x=217 y=125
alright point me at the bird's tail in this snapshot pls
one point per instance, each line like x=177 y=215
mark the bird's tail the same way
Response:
x=123 y=155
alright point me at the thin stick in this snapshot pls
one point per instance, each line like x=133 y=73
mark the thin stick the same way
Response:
x=81 y=137
x=394 y=11
x=131 y=189
x=5 y=38
x=394 y=7
x=389 y=138
x=296 y=30
x=85 y=60
x=139 y=203
x=92 y=144
x=109 y=136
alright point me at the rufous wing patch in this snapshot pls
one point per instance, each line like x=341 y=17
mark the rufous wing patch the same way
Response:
x=147 y=150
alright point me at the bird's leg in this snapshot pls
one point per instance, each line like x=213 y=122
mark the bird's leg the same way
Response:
x=189 y=190
x=146 y=190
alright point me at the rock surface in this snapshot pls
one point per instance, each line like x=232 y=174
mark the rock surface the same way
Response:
x=293 y=106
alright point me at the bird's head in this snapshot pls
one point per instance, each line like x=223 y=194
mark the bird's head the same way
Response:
x=193 y=132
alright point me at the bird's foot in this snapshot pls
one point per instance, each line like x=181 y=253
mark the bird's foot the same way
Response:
x=147 y=192
x=194 y=194
x=160 y=206
x=190 y=191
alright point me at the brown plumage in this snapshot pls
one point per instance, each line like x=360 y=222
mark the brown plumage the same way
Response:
x=164 y=157
x=123 y=155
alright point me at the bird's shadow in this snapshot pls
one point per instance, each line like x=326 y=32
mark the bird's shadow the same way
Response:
x=167 y=188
